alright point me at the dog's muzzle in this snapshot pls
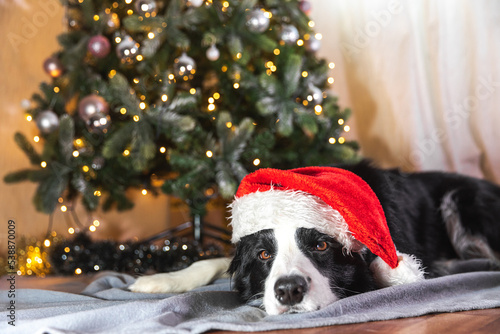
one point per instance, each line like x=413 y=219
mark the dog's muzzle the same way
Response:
x=290 y=290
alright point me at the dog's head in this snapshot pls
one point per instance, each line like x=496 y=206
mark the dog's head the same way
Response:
x=290 y=257
x=296 y=270
x=302 y=235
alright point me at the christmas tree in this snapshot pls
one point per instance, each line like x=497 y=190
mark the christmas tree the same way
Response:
x=182 y=96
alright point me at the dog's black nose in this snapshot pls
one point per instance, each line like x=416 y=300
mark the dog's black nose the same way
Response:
x=290 y=290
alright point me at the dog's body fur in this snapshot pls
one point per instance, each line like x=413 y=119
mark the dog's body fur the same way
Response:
x=449 y=222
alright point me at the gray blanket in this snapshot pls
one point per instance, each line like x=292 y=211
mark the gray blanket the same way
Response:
x=106 y=306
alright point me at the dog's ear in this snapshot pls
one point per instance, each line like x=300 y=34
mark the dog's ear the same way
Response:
x=235 y=264
x=239 y=275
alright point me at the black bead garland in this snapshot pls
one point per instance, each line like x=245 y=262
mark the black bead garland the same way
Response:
x=82 y=255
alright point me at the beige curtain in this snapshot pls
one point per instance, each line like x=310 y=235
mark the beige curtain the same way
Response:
x=422 y=78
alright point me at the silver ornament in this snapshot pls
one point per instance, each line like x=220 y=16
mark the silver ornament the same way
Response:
x=184 y=66
x=91 y=105
x=25 y=104
x=127 y=49
x=289 y=34
x=97 y=163
x=98 y=123
x=47 y=121
x=314 y=95
x=257 y=21
x=313 y=44
x=196 y=3
x=146 y=6
x=213 y=53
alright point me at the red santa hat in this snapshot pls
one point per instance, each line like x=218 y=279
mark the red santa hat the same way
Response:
x=332 y=200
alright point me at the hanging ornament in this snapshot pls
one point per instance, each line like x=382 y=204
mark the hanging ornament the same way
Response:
x=127 y=49
x=97 y=163
x=305 y=6
x=144 y=7
x=99 y=46
x=289 y=34
x=213 y=53
x=98 y=123
x=53 y=67
x=25 y=104
x=257 y=20
x=314 y=95
x=196 y=3
x=112 y=22
x=47 y=121
x=74 y=17
x=184 y=66
x=313 y=44
x=91 y=105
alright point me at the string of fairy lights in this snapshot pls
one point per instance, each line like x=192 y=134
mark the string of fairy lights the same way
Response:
x=33 y=259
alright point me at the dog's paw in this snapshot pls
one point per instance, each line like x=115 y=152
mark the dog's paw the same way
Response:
x=198 y=274
x=162 y=283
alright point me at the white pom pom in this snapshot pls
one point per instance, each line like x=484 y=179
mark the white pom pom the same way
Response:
x=409 y=270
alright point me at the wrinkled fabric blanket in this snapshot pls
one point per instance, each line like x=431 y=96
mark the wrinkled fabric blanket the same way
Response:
x=106 y=306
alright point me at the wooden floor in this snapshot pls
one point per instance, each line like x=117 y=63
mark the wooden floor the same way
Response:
x=479 y=321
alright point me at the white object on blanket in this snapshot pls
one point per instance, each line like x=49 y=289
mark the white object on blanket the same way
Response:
x=198 y=274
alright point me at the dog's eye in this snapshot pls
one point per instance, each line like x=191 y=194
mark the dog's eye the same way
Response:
x=321 y=246
x=264 y=255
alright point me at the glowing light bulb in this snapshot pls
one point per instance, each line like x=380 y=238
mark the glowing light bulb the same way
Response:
x=318 y=109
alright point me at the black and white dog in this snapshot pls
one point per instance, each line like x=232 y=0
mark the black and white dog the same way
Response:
x=298 y=251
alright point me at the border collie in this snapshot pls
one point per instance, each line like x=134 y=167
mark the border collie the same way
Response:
x=298 y=250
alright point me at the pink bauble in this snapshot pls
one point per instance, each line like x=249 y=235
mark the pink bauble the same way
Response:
x=99 y=46
x=305 y=6
x=53 y=67
x=91 y=105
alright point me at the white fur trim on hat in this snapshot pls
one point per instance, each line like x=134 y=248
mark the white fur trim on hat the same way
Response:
x=273 y=208
x=409 y=270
